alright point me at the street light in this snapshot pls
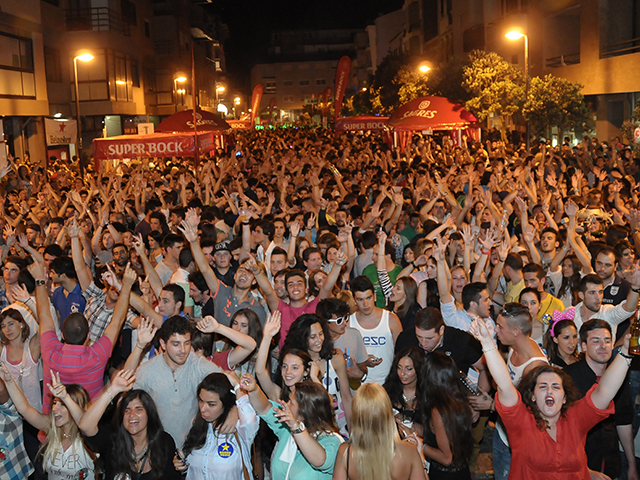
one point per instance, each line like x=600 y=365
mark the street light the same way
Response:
x=424 y=68
x=236 y=104
x=219 y=89
x=180 y=79
x=85 y=57
x=517 y=35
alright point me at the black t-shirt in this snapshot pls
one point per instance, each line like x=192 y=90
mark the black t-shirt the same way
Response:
x=227 y=278
x=617 y=292
x=208 y=308
x=102 y=443
x=459 y=345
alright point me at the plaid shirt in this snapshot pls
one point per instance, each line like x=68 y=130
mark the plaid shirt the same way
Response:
x=97 y=313
x=4 y=301
x=14 y=461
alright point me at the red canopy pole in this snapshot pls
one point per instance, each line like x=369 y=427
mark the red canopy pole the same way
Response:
x=196 y=160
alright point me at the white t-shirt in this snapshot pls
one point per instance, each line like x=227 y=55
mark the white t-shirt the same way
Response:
x=68 y=464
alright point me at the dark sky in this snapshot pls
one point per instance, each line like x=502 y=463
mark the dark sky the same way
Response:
x=250 y=23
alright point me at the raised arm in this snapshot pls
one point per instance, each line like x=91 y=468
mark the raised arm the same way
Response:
x=29 y=413
x=263 y=282
x=146 y=331
x=245 y=345
x=122 y=382
x=191 y=235
x=257 y=398
x=42 y=297
x=122 y=305
x=152 y=276
x=483 y=332
x=82 y=269
x=271 y=329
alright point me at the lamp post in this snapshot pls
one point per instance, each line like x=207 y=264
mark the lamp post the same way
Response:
x=236 y=104
x=517 y=35
x=85 y=57
x=180 y=79
x=424 y=68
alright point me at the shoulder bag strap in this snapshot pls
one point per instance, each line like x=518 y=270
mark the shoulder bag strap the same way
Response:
x=245 y=471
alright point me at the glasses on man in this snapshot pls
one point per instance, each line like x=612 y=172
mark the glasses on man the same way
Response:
x=338 y=321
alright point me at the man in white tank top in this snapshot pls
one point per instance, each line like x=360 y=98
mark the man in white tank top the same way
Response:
x=379 y=329
x=513 y=328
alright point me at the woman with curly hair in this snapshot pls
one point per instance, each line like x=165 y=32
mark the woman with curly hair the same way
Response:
x=204 y=443
x=403 y=384
x=546 y=421
x=448 y=419
x=136 y=446
x=310 y=332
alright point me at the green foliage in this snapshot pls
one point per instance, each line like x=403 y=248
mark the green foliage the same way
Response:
x=357 y=104
x=497 y=87
x=384 y=91
x=628 y=129
x=413 y=84
x=446 y=80
x=554 y=101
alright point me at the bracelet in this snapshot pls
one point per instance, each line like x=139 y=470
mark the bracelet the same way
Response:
x=485 y=253
x=625 y=355
x=493 y=405
x=636 y=290
x=235 y=389
x=138 y=346
x=490 y=349
x=110 y=397
x=413 y=264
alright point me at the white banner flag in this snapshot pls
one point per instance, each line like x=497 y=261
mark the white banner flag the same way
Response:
x=60 y=132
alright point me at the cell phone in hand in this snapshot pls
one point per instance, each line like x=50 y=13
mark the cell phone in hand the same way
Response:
x=181 y=456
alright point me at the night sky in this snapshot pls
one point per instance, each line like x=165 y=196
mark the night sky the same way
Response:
x=250 y=23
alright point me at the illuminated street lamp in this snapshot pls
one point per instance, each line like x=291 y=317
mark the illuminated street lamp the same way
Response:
x=85 y=57
x=424 y=68
x=517 y=35
x=180 y=79
x=219 y=89
x=236 y=104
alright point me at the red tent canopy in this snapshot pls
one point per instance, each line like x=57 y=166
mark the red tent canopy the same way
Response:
x=361 y=122
x=153 y=145
x=431 y=113
x=183 y=122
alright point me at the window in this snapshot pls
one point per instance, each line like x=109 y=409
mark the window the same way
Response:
x=321 y=81
x=16 y=67
x=287 y=83
x=270 y=87
x=135 y=73
x=288 y=98
x=129 y=13
x=147 y=29
x=52 y=64
x=304 y=83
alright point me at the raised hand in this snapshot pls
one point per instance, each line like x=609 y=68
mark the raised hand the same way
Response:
x=146 y=332
x=311 y=223
x=22 y=241
x=138 y=244
x=272 y=325
x=341 y=258
x=208 y=325
x=192 y=218
x=189 y=231
x=570 y=208
x=5 y=375
x=295 y=228
x=122 y=381
x=19 y=292
x=36 y=269
x=382 y=236
x=130 y=275
x=482 y=329
x=57 y=389
x=252 y=265
x=248 y=383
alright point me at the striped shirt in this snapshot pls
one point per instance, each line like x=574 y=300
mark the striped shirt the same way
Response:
x=75 y=364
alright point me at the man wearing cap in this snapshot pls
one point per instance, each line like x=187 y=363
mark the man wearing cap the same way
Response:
x=222 y=263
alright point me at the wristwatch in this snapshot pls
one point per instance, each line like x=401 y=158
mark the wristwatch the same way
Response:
x=40 y=283
x=299 y=429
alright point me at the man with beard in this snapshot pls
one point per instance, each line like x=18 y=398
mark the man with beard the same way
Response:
x=120 y=257
x=279 y=285
x=616 y=288
x=591 y=293
x=549 y=243
x=602 y=440
x=67 y=297
x=227 y=300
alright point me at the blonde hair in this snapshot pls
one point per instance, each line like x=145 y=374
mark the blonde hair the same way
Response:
x=347 y=297
x=53 y=442
x=373 y=432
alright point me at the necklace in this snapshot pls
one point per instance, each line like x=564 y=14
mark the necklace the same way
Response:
x=66 y=435
x=408 y=400
x=137 y=458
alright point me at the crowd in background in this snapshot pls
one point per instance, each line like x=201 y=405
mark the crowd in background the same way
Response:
x=304 y=306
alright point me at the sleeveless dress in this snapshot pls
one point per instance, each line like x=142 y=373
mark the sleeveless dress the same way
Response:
x=379 y=343
x=26 y=375
x=438 y=471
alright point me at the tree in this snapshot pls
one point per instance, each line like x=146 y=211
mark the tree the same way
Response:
x=496 y=86
x=413 y=84
x=446 y=80
x=384 y=91
x=554 y=101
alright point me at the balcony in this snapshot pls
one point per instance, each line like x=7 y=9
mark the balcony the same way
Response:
x=96 y=19
x=562 y=60
x=622 y=48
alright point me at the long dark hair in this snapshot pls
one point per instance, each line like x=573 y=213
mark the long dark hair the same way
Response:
x=298 y=335
x=528 y=384
x=214 y=383
x=315 y=407
x=442 y=391
x=555 y=331
x=570 y=284
x=410 y=288
x=393 y=385
x=123 y=450
x=285 y=391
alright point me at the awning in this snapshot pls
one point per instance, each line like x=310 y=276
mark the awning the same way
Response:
x=360 y=122
x=153 y=145
x=431 y=113
x=183 y=122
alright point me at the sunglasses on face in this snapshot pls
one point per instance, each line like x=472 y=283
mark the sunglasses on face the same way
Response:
x=338 y=321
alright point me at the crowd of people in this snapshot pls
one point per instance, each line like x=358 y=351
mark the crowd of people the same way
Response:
x=309 y=306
